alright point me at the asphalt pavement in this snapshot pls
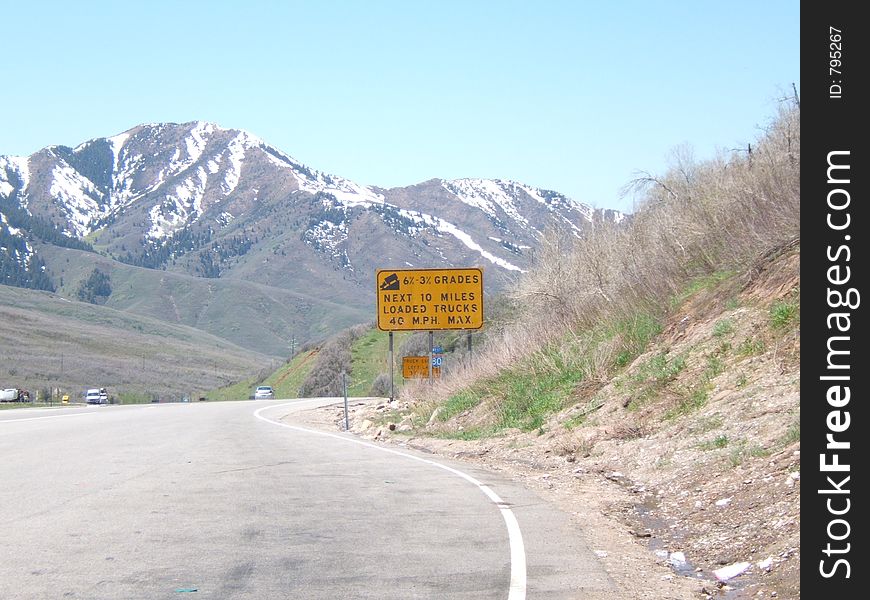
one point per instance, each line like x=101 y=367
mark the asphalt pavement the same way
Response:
x=230 y=500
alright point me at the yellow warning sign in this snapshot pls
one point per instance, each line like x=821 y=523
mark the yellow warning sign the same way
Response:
x=429 y=299
x=414 y=367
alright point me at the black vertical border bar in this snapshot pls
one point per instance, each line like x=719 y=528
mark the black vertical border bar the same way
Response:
x=832 y=124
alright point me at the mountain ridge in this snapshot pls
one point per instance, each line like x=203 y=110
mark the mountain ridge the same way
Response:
x=222 y=204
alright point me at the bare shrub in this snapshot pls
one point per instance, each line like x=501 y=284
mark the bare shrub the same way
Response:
x=324 y=379
x=696 y=219
x=307 y=347
x=381 y=385
x=629 y=432
x=416 y=344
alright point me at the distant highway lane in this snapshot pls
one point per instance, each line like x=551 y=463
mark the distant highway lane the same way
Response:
x=232 y=500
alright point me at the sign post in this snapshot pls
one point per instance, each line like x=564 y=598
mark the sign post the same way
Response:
x=344 y=387
x=431 y=355
x=392 y=368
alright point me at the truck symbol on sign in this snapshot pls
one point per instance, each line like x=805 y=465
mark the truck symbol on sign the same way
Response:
x=391 y=282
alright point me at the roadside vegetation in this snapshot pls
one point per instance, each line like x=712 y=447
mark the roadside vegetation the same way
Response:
x=591 y=306
x=362 y=353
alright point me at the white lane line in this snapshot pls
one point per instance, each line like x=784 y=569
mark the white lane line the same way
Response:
x=515 y=537
x=80 y=414
x=40 y=418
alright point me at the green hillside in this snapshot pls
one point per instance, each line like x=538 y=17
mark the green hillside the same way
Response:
x=370 y=355
x=363 y=353
x=48 y=341
x=288 y=378
x=256 y=316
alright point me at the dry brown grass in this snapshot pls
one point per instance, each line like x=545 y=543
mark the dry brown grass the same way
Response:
x=49 y=343
x=698 y=219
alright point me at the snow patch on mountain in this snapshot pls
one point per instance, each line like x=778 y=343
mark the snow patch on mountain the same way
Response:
x=281 y=159
x=487 y=195
x=347 y=192
x=163 y=221
x=183 y=158
x=6 y=188
x=553 y=200
x=194 y=146
x=19 y=252
x=78 y=197
x=329 y=237
x=122 y=177
x=470 y=243
x=196 y=142
x=117 y=143
x=180 y=209
x=237 y=147
x=492 y=195
x=19 y=165
x=444 y=227
x=12 y=230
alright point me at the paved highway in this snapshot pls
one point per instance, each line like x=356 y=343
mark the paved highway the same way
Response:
x=230 y=500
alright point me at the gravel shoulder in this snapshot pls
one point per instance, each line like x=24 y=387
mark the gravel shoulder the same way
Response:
x=594 y=503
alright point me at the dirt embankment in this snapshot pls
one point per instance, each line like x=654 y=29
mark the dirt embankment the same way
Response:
x=683 y=472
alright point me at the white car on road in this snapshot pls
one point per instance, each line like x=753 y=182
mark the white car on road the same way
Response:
x=264 y=392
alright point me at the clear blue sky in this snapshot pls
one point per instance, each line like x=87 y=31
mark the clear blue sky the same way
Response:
x=573 y=96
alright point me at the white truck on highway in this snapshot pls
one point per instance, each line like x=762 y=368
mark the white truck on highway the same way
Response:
x=97 y=396
x=10 y=395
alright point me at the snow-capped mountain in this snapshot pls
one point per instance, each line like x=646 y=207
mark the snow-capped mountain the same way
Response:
x=216 y=203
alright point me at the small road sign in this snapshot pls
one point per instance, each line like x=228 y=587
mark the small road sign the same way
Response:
x=429 y=299
x=417 y=367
